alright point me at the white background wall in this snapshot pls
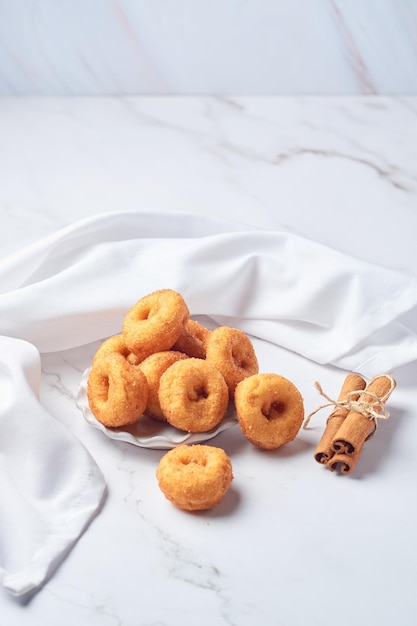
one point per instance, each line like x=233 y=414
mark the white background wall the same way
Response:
x=65 y=47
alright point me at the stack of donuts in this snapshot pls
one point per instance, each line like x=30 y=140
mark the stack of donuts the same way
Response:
x=171 y=368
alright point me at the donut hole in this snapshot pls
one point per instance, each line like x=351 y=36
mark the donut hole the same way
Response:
x=273 y=410
x=124 y=351
x=201 y=461
x=144 y=314
x=198 y=393
x=239 y=358
x=104 y=388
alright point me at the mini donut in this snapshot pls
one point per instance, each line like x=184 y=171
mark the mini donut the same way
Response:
x=193 y=395
x=117 y=391
x=231 y=352
x=269 y=409
x=196 y=477
x=153 y=367
x=154 y=323
x=116 y=344
x=193 y=339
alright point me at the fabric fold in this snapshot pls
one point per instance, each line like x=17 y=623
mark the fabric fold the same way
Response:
x=301 y=295
x=50 y=487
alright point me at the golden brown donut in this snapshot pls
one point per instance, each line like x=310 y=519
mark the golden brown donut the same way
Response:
x=193 y=339
x=153 y=367
x=195 y=478
x=116 y=344
x=231 y=352
x=269 y=409
x=193 y=395
x=117 y=391
x=154 y=323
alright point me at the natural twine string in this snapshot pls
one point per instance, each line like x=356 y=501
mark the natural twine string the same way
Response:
x=373 y=407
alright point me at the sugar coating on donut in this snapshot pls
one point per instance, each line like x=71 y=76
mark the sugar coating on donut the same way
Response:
x=153 y=367
x=117 y=391
x=193 y=339
x=270 y=410
x=193 y=395
x=231 y=352
x=155 y=322
x=116 y=344
x=195 y=477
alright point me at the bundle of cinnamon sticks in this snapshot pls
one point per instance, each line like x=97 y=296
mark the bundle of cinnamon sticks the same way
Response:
x=353 y=420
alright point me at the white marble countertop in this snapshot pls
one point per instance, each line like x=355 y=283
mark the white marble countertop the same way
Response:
x=342 y=171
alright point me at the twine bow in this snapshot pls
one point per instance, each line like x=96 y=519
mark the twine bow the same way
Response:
x=361 y=401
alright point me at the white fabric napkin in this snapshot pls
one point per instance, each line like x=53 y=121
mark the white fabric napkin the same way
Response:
x=75 y=287
x=50 y=487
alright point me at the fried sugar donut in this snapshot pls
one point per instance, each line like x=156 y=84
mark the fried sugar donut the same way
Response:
x=231 y=352
x=196 y=477
x=193 y=395
x=154 y=323
x=117 y=391
x=153 y=367
x=116 y=344
x=270 y=410
x=193 y=339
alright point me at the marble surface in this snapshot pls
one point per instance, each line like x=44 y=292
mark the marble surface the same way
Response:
x=268 y=47
x=293 y=543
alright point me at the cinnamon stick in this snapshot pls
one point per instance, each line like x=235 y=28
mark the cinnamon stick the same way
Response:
x=345 y=462
x=359 y=425
x=324 y=451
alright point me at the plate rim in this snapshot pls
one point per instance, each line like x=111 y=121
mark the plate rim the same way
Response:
x=157 y=441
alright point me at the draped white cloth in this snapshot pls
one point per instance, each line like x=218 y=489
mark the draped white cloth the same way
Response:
x=75 y=287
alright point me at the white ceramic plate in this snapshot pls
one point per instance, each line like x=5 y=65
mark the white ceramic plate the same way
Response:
x=149 y=433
